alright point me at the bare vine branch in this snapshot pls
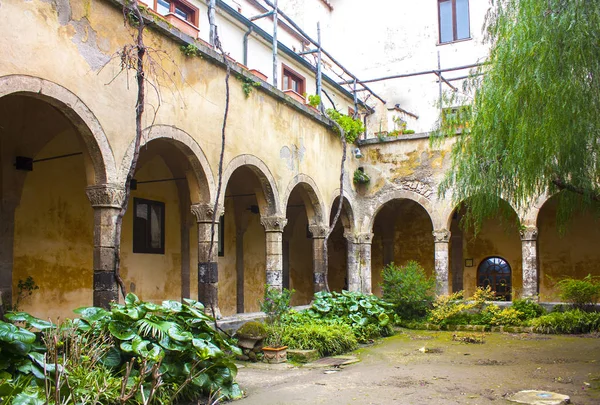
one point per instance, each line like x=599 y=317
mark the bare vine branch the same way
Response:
x=339 y=208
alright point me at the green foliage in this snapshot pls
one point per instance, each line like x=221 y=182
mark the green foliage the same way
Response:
x=493 y=315
x=529 y=308
x=409 y=131
x=360 y=177
x=533 y=124
x=409 y=289
x=575 y=321
x=453 y=309
x=368 y=316
x=582 y=294
x=352 y=127
x=314 y=100
x=248 y=85
x=176 y=335
x=328 y=339
x=191 y=50
x=275 y=303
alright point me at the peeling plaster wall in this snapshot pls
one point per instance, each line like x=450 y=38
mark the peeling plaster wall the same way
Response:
x=254 y=264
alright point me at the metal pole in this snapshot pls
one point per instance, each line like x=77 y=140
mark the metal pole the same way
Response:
x=425 y=72
x=439 y=73
x=275 y=15
x=211 y=21
x=319 y=68
x=297 y=28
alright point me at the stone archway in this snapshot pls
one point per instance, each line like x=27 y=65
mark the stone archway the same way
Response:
x=342 y=260
x=55 y=128
x=303 y=238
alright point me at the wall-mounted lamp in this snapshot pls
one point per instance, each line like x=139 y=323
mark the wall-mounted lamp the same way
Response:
x=357 y=153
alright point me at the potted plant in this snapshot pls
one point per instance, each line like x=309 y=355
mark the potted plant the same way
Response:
x=314 y=101
x=275 y=304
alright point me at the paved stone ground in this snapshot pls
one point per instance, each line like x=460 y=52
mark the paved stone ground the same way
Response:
x=421 y=367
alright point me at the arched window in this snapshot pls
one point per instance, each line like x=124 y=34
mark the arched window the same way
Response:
x=495 y=272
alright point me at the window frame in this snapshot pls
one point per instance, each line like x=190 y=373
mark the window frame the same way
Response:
x=288 y=71
x=146 y=249
x=507 y=294
x=185 y=5
x=454 y=23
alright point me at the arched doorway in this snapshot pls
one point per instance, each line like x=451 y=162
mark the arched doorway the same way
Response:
x=47 y=159
x=338 y=246
x=305 y=218
x=495 y=273
x=497 y=237
x=402 y=231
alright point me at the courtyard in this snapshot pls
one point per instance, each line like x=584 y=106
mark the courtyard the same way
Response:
x=429 y=367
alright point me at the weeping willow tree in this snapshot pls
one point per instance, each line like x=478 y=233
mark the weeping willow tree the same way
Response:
x=532 y=124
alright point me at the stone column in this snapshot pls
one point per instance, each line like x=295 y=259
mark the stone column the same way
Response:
x=441 y=239
x=208 y=269
x=529 y=236
x=318 y=232
x=364 y=251
x=353 y=262
x=274 y=261
x=8 y=206
x=106 y=199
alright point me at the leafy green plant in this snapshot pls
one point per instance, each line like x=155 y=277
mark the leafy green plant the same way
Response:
x=409 y=131
x=581 y=294
x=248 y=85
x=493 y=315
x=368 y=316
x=575 y=321
x=453 y=309
x=360 y=177
x=409 y=289
x=175 y=336
x=328 y=339
x=275 y=303
x=352 y=127
x=191 y=50
x=529 y=308
x=314 y=100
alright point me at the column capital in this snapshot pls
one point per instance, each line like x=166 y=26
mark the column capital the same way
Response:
x=318 y=231
x=350 y=237
x=274 y=223
x=364 y=238
x=529 y=232
x=106 y=195
x=204 y=212
x=441 y=236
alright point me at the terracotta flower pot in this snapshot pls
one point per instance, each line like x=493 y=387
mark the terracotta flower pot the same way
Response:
x=295 y=96
x=259 y=74
x=274 y=355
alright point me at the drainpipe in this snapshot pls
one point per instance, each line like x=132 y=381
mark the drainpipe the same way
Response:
x=246 y=35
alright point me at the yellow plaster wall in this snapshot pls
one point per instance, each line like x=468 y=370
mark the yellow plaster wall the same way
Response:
x=154 y=277
x=338 y=258
x=301 y=262
x=571 y=253
x=255 y=275
x=227 y=272
x=53 y=233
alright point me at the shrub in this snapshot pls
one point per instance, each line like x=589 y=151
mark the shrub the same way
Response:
x=409 y=290
x=493 y=315
x=529 y=308
x=275 y=303
x=453 y=309
x=575 y=321
x=581 y=294
x=367 y=315
x=328 y=339
x=352 y=127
